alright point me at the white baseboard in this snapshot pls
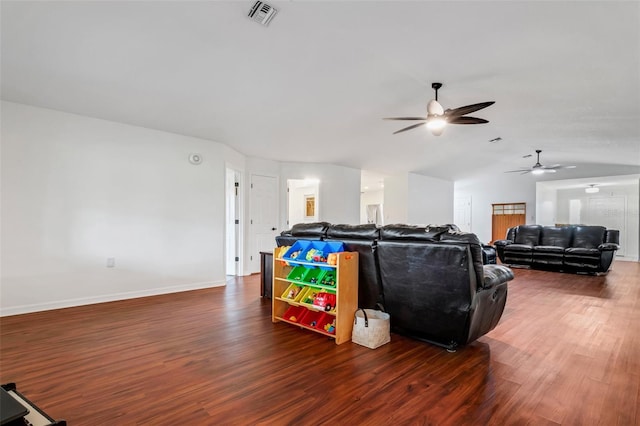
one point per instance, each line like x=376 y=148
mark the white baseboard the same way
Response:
x=626 y=259
x=68 y=303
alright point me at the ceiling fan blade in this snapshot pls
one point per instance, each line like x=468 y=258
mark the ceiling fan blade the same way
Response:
x=523 y=171
x=552 y=169
x=467 y=109
x=467 y=120
x=434 y=108
x=409 y=128
x=405 y=118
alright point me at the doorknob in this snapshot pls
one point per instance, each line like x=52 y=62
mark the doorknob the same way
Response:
x=273 y=229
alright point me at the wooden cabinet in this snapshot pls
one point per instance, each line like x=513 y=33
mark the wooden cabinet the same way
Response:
x=297 y=285
x=505 y=216
x=266 y=274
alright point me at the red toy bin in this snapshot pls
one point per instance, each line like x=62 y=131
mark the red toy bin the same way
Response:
x=295 y=313
x=325 y=321
x=312 y=318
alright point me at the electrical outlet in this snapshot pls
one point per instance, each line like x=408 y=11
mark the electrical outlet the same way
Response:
x=111 y=262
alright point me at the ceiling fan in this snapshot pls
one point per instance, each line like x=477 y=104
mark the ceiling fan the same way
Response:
x=437 y=117
x=538 y=168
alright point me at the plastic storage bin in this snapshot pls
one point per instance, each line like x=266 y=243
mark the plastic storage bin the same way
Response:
x=295 y=313
x=297 y=273
x=312 y=318
x=313 y=276
x=328 y=278
x=296 y=251
x=293 y=292
x=327 y=324
x=309 y=295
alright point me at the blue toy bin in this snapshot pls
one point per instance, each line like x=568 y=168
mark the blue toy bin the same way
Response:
x=332 y=247
x=296 y=251
x=322 y=249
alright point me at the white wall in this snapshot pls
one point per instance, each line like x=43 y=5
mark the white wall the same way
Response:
x=338 y=190
x=298 y=194
x=628 y=233
x=396 y=199
x=430 y=200
x=487 y=190
x=546 y=205
x=417 y=199
x=77 y=190
x=368 y=198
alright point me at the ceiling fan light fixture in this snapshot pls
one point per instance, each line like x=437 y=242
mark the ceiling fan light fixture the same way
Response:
x=592 y=189
x=436 y=123
x=537 y=171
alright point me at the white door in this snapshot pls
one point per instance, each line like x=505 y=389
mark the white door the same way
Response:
x=610 y=213
x=264 y=217
x=462 y=213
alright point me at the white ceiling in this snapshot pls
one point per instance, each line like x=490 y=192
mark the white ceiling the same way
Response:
x=315 y=84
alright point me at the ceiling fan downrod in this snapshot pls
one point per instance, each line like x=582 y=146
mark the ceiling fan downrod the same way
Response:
x=436 y=86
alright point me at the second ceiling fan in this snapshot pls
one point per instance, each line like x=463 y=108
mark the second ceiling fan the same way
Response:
x=437 y=117
x=538 y=168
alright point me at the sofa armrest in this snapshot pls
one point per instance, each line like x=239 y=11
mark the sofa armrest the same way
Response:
x=495 y=274
x=502 y=243
x=608 y=246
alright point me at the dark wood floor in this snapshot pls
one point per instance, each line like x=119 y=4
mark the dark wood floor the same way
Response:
x=567 y=351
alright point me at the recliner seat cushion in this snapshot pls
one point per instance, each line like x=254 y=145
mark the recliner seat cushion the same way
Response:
x=580 y=251
x=548 y=249
x=523 y=248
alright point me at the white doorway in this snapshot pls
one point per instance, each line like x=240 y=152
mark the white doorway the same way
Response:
x=233 y=240
x=462 y=213
x=264 y=217
x=302 y=201
x=610 y=213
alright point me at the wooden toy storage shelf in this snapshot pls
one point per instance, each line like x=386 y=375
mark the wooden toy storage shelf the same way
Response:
x=294 y=311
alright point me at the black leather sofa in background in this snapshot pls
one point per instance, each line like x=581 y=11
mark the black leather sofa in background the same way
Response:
x=570 y=248
x=430 y=280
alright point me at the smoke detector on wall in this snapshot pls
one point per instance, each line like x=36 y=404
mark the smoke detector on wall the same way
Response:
x=262 y=12
x=195 y=159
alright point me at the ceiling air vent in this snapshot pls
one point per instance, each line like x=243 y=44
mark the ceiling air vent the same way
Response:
x=262 y=13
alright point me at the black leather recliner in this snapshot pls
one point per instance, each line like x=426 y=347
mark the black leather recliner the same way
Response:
x=436 y=287
x=431 y=280
x=571 y=248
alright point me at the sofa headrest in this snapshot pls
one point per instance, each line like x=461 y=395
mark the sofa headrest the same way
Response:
x=556 y=236
x=354 y=232
x=450 y=227
x=409 y=232
x=528 y=234
x=314 y=229
x=461 y=237
x=588 y=236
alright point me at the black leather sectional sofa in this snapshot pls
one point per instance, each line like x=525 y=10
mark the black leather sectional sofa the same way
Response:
x=571 y=248
x=430 y=280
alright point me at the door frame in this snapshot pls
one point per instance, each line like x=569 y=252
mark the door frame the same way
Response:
x=234 y=233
